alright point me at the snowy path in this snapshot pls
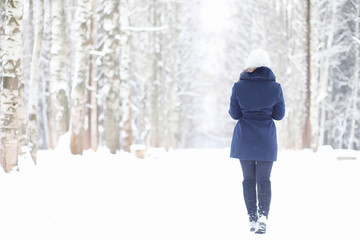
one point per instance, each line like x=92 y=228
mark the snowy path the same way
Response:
x=183 y=194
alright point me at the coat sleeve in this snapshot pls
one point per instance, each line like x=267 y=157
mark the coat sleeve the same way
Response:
x=235 y=110
x=279 y=108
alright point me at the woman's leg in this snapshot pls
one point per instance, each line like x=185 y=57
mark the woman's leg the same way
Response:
x=263 y=172
x=249 y=188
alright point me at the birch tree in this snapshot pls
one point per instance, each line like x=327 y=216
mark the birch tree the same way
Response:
x=58 y=85
x=344 y=90
x=126 y=94
x=356 y=79
x=92 y=109
x=188 y=56
x=28 y=39
x=294 y=75
x=171 y=65
x=44 y=72
x=111 y=88
x=154 y=135
x=33 y=131
x=21 y=113
x=2 y=34
x=326 y=54
x=140 y=68
x=11 y=81
x=315 y=65
x=78 y=93
x=307 y=127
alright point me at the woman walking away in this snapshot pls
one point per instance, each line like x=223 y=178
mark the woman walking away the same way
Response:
x=256 y=100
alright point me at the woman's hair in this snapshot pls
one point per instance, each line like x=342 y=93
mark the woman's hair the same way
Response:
x=249 y=70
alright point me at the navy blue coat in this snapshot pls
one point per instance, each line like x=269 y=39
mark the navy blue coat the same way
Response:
x=255 y=101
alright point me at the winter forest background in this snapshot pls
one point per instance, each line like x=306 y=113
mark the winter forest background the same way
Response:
x=159 y=72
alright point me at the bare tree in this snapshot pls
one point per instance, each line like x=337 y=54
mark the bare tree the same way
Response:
x=126 y=94
x=111 y=88
x=11 y=82
x=81 y=71
x=2 y=34
x=92 y=109
x=58 y=85
x=325 y=58
x=307 y=126
x=156 y=80
x=355 y=92
x=172 y=81
x=33 y=131
x=140 y=72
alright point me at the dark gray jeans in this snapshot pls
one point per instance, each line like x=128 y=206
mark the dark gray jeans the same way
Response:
x=257 y=175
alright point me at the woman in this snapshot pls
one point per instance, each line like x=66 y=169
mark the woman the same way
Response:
x=256 y=100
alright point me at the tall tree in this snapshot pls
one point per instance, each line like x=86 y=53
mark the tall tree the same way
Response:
x=33 y=131
x=140 y=72
x=188 y=72
x=11 y=81
x=343 y=88
x=44 y=72
x=307 y=125
x=326 y=52
x=111 y=88
x=58 y=85
x=355 y=82
x=92 y=111
x=154 y=19
x=171 y=66
x=81 y=71
x=126 y=94
x=2 y=34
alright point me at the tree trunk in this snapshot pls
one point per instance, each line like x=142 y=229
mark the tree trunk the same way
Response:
x=81 y=71
x=155 y=85
x=126 y=89
x=307 y=127
x=58 y=89
x=21 y=113
x=355 y=80
x=43 y=106
x=2 y=35
x=315 y=66
x=92 y=131
x=324 y=75
x=111 y=76
x=174 y=101
x=12 y=73
x=33 y=131
x=27 y=46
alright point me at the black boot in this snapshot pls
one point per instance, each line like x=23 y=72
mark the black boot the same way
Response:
x=249 y=187
x=264 y=197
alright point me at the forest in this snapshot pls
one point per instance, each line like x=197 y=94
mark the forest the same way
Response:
x=117 y=73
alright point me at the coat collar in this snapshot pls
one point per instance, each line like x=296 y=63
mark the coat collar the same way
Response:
x=260 y=74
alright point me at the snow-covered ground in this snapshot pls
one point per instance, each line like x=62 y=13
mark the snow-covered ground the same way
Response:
x=181 y=194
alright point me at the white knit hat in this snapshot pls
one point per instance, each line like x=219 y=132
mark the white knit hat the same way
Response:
x=258 y=58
